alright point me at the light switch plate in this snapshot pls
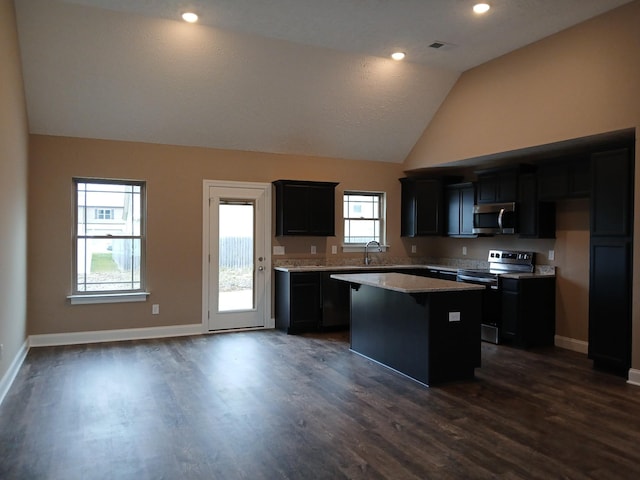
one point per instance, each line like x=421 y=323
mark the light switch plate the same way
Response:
x=454 y=316
x=278 y=250
x=414 y=249
x=313 y=250
x=552 y=255
x=334 y=249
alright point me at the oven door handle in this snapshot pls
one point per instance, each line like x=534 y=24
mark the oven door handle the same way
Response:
x=469 y=278
x=500 y=215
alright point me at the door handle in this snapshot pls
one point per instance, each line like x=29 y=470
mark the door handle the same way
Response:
x=260 y=268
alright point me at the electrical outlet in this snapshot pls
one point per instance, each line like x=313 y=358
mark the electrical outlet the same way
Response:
x=552 y=255
x=454 y=316
x=155 y=309
x=313 y=249
x=278 y=250
x=334 y=249
x=414 y=249
x=464 y=250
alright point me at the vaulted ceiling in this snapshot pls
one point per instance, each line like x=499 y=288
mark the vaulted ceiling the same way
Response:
x=303 y=77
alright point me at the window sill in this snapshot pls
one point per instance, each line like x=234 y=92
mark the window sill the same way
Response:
x=359 y=248
x=108 y=298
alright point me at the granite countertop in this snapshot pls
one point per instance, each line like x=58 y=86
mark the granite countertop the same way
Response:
x=401 y=282
x=364 y=268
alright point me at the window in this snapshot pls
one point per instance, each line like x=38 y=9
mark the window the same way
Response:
x=363 y=217
x=108 y=256
x=104 y=214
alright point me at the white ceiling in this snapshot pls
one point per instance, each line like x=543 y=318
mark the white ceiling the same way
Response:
x=305 y=77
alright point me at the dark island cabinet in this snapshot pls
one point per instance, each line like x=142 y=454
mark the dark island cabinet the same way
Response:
x=421 y=207
x=305 y=208
x=459 y=200
x=610 y=272
x=528 y=311
x=298 y=301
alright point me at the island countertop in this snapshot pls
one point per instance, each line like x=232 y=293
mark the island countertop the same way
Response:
x=401 y=282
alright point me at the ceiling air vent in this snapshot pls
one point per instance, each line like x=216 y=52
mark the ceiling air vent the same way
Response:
x=438 y=45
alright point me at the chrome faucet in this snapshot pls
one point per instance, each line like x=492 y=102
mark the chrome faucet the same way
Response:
x=367 y=260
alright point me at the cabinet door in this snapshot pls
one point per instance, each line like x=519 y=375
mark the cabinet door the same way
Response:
x=321 y=201
x=459 y=201
x=611 y=210
x=467 y=198
x=452 y=200
x=507 y=190
x=421 y=207
x=609 y=303
x=429 y=207
x=305 y=301
x=294 y=211
x=487 y=188
x=553 y=181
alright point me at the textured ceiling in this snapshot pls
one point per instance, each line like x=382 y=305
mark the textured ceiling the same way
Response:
x=288 y=76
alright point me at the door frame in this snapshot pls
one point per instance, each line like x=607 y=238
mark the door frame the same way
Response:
x=269 y=321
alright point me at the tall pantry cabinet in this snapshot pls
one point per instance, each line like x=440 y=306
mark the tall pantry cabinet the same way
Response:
x=610 y=272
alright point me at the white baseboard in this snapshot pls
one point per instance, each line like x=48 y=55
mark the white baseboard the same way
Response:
x=572 y=344
x=75 y=338
x=10 y=376
x=634 y=377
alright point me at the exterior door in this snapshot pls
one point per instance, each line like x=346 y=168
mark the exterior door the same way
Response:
x=238 y=269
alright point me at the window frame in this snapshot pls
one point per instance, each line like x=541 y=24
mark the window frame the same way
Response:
x=382 y=218
x=108 y=296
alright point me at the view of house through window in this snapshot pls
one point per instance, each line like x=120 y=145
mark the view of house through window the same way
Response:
x=363 y=217
x=109 y=236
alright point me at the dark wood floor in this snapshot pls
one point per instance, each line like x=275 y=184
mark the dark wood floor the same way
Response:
x=264 y=405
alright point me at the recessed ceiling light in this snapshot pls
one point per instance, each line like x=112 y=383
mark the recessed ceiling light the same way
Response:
x=481 y=8
x=398 y=55
x=190 y=17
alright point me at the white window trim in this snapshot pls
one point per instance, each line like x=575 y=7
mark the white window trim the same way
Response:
x=108 y=298
x=359 y=247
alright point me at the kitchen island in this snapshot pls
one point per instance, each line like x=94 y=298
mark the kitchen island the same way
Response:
x=425 y=328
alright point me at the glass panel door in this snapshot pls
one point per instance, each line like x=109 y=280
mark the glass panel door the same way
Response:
x=235 y=257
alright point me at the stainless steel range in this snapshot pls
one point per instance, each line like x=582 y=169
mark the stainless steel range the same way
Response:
x=500 y=263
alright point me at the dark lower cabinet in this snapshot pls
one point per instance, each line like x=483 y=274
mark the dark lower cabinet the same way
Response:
x=610 y=304
x=528 y=311
x=298 y=301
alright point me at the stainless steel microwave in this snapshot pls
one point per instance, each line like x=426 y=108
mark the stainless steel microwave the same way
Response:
x=495 y=218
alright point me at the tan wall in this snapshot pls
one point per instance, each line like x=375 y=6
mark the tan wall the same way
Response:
x=13 y=192
x=580 y=82
x=174 y=178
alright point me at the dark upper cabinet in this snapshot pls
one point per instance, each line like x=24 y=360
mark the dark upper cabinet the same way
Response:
x=497 y=185
x=421 y=207
x=564 y=179
x=536 y=219
x=305 y=208
x=611 y=203
x=459 y=201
